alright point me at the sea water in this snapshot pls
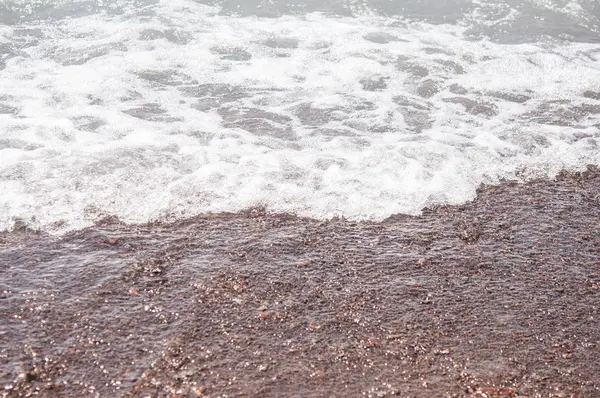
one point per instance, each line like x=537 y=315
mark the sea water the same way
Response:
x=161 y=109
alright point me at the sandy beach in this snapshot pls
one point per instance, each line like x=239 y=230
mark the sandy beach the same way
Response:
x=498 y=297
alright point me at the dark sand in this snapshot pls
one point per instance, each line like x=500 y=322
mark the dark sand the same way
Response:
x=499 y=297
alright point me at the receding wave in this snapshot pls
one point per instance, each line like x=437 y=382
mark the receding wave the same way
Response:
x=153 y=110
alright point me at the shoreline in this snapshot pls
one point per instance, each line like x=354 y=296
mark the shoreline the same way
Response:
x=496 y=297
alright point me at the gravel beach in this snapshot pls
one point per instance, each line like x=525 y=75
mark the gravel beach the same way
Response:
x=497 y=297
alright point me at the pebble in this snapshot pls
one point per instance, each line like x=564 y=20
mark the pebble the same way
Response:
x=304 y=263
x=264 y=315
x=314 y=327
x=263 y=368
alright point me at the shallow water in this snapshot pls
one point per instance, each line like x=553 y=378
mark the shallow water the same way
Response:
x=494 y=298
x=159 y=110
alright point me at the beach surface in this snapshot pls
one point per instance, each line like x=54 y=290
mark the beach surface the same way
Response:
x=497 y=297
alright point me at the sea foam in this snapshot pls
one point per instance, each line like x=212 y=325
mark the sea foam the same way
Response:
x=176 y=108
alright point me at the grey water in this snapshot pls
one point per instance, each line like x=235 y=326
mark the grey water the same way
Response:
x=510 y=21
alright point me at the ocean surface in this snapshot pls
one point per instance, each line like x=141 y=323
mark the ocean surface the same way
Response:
x=162 y=109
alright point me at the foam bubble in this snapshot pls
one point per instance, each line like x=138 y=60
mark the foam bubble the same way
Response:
x=183 y=110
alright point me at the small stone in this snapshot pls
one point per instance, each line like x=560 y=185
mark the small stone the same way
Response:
x=27 y=376
x=263 y=368
x=264 y=315
x=134 y=291
x=199 y=390
x=304 y=263
x=568 y=355
x=112 y=241
x=318 y=373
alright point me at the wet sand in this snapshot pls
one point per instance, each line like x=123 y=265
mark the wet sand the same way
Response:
x=499 y=297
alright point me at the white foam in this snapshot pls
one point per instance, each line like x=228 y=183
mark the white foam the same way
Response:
x=149 y=118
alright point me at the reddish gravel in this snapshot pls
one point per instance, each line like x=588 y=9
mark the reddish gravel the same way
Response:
x=499 y=297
